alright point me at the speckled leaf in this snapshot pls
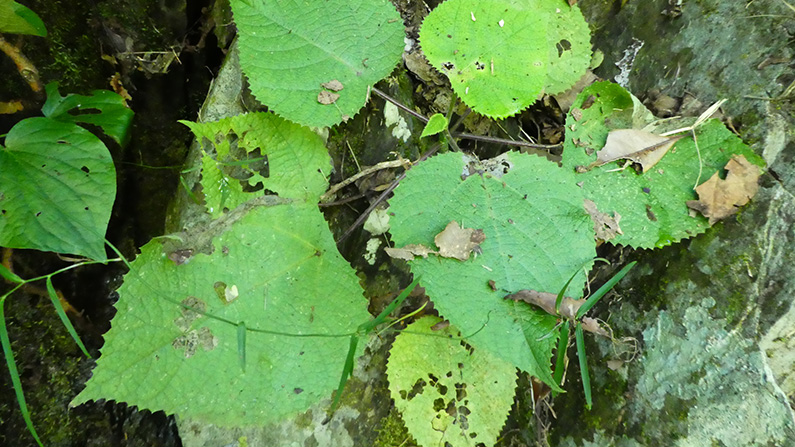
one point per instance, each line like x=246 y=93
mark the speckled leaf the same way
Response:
x=537 y=234
x=289 y=49
x=297 y=164
x=57 y=187
x=266 y=270
x=501 y=55
x=448 y=391
x=652 y=205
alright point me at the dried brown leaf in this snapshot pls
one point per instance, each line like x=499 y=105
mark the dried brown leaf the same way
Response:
x=720 y=198
x=334 y=85
x=456 y=242
x=639 y=146
x=605 y=226
x=408 y=252
x=326 y=97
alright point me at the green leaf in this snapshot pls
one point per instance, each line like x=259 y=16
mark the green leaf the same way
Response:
x=18 y=19
x=652 y=205
x=449 y=391
x=502 y=55
x=289 y=49
x=537 y=234
x=103 y=108
x=174 y=343
x=57 y=187
x=56 y=302
x=437 y=123
x=8 y=275
x=297 y=160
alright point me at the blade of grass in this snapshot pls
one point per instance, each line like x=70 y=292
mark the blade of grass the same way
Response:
x=56 y=302
x=593 y=299
x=9 y=275
x=12 y=371
x=560 y=361
x=586 y=378
x=562 y=292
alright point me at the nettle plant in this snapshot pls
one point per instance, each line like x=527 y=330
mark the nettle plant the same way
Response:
x=237 y=323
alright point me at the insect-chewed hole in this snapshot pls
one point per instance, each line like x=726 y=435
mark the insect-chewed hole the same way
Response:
x=448 y=66
x=479 y=66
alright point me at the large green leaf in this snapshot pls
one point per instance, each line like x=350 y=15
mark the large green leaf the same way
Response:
x=652 y=205
x=288 y=49
x=501 y=55
x=272 y=268
x=297 y=161
x=102 y=108
x=448 y=391
x=18 y=19
x=537 y=235
x=57 y=187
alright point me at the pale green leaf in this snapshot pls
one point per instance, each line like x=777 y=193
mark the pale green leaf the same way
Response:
x=501 y=55
x=57 y=187
x=652 y=205
x=18 y=19
x=102 y=108
x=259 y=150
x=448 y=391
x=289 y=50
x=437 y=123
x=537 y=235
x=268 y=269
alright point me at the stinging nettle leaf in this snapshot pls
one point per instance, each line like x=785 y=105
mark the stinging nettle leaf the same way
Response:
x=448 y=391
x=501 y=55
x=175 y=343
x=537 y=234
x=289 y=49
x=436 y=123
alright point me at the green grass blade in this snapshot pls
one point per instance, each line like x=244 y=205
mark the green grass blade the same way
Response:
x=12 y=370
x=64 y=318
x=593 y=299
x=9 y=275
x=562 y=292
x=586 y=378
x=370 y=325
x=560 y=361
x=347 y=370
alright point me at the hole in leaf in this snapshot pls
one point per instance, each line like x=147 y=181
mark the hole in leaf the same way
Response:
x=438 y=404
x=448 y=66
x=450 y=410
x=418 y=388
x=298 y=390
x=442 y=389
x=86 y=208
x=76 y=111
x=62 y=142
x=460 y=391
x=85 y=169
x=479 y=66
x=433 y=378
x=563 y=45
x=38 y=214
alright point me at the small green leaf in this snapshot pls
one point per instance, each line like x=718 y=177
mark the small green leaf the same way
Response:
x=450 y=392
x=18 y=19
x=437 y=123
x=103 y=108
x=9 y=275
x=537 y=234
x=313 y=62
x=174 y=345
x=57 y=187
x=502 y=55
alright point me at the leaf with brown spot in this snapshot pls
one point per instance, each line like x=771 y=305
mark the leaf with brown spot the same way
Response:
x=720 y=198
x=639 y=146
x=333 y=85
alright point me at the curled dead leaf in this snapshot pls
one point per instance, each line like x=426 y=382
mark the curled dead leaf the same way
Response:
x=642 y=147
x=720 y=198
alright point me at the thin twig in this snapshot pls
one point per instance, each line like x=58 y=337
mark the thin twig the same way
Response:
x=383 y=165
x=496 y=140
x=383 y=196
x=25 y=67
x=399 y=105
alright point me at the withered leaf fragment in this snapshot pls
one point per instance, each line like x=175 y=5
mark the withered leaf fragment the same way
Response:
x=456 y=242
x=408 y=252
x=719 y=198
x=326 y=97
x=334 y=85
x=639 y=146
x=605 y=226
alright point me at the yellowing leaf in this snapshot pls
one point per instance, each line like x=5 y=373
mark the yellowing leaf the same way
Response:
x=719 y=198
x=639 y=146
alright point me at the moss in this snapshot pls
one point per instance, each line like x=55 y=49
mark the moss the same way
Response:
x=393 y=432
